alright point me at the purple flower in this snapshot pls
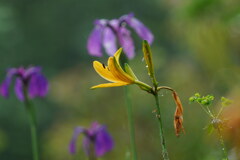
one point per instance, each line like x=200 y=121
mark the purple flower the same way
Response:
x=108 y=33
x=96 y=136
x=30 y=79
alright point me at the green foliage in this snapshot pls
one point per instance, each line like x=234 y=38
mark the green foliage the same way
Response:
x=53 y=34
x=198 y=7
x=216 y=122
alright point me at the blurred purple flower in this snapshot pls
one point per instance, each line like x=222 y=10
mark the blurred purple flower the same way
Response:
x=97 y=136
x=108 y=33
x=30 y=78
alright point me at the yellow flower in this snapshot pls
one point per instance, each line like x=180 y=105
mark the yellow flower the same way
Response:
x=114 y=72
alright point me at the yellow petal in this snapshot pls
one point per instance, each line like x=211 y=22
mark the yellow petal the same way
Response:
x=117 y=55
x=125 y=74
x=117 y=71
x=110 y=85
x=104 y=72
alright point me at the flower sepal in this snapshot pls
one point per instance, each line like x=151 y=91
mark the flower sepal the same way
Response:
x=129 y=70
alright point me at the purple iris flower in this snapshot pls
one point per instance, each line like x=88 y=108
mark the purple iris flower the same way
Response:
x=109 y=33
x=95 y=136
x=30 y=79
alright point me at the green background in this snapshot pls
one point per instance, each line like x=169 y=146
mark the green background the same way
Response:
x=196 y=49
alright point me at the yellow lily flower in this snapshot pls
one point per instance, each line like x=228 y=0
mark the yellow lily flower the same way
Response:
x=114 y=72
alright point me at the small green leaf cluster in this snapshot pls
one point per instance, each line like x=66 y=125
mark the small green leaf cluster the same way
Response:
x=225 y=102
x=204 y=100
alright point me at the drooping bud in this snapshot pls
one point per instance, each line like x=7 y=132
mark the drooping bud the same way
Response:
x=178 y=116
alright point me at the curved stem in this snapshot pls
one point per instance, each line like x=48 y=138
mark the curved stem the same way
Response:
x=32 y=120
x=163 y=143
x=130 y=122
x=225 y=154
x=164 y=87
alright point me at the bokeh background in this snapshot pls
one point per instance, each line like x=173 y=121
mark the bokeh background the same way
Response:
x=196 y=49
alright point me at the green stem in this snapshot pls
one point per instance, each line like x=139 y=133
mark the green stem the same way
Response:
x=130 y=122
x=163 y=143
x=92 y=153
x=221 y=109
x=144 y=85
x=92 y=157
x=32 y=120
x=207 y=111
x=225 y=154
x=211 y=114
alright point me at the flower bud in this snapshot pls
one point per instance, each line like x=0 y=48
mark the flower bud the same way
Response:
x=148 y=59
x=197 y=95
x=205 y=102
x=192 y=99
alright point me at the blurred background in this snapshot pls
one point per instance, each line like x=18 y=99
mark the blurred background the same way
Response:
x=196 y=49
